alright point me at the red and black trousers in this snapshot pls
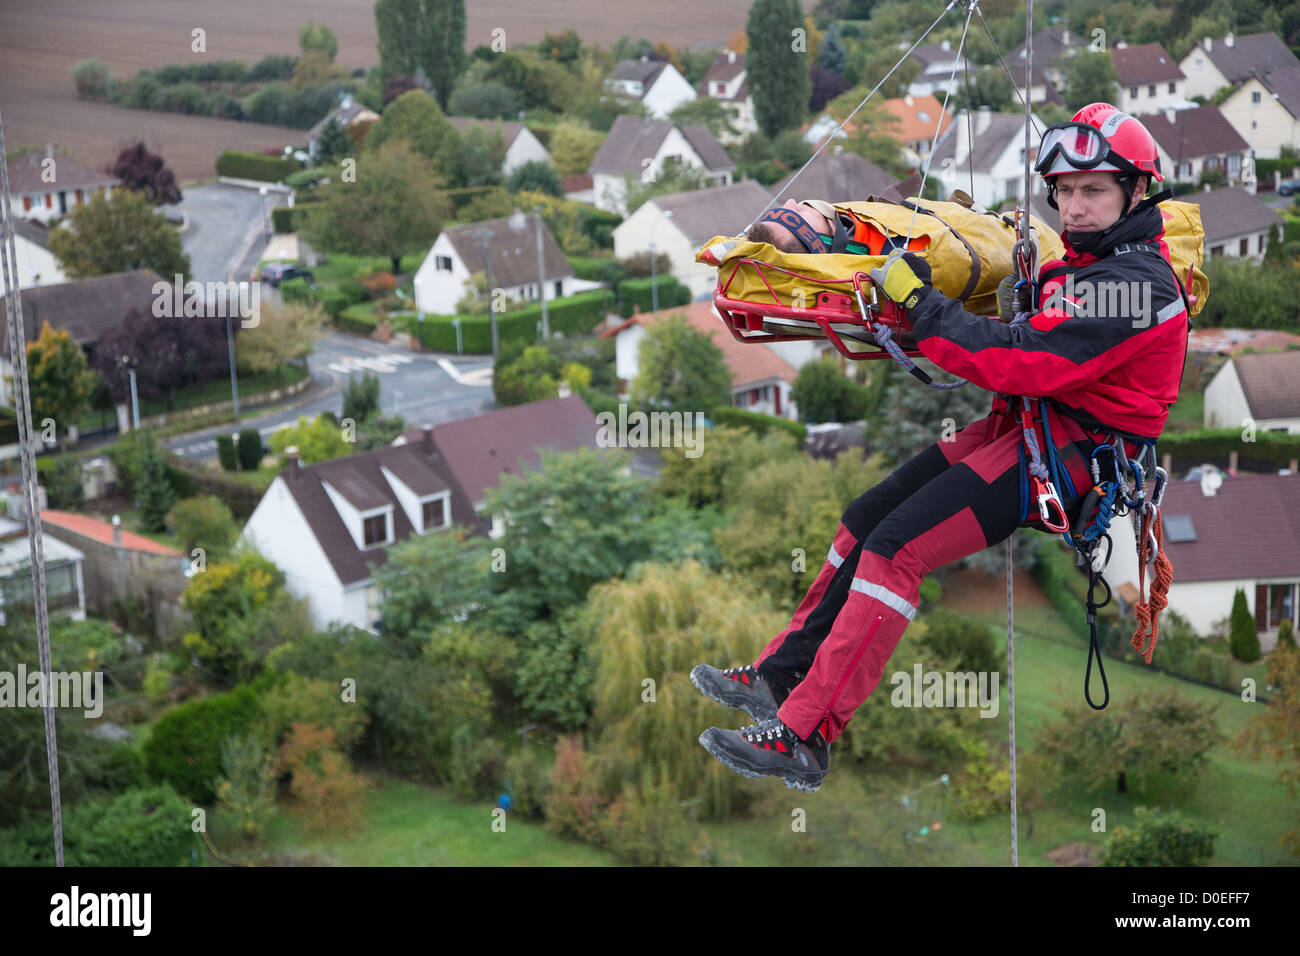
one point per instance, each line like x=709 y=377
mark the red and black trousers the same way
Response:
x=955 y=498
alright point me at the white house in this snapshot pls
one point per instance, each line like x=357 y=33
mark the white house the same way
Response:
x=511 y=263
x=1196 y=141
x=1149 y=78
x=678 y=224
x=1258 y=387
x=939 y=64
x=725 y=82
x=760 y=379
x=655 y=84
x=36 y=264
x=349 y=112
x=996 y=158
x=1265 y=110
x=1218 y=62
x=1236 y=223
x=521 y=145
x=45 y=186
x=639 y=147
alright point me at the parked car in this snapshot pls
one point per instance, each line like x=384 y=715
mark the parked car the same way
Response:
x=1288 y=186
x=277 y=272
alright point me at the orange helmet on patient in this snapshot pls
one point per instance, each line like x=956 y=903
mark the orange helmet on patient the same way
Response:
x=1098 y=138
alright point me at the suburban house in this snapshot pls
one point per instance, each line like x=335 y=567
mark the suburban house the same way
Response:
x=325 y=525
x=760 y=379
x=997 y=159
x=1240 y=533
x=939 y=64
x=1052 y=47
x=1149 y=78
x=678 y=224
x=84 y=308
x=919 y=121
x=521 y=145
x=1232 y=341
x=46 y=186
x=483 y=448
x=64 y=583
x=507 y=250
x=36 y=264
x=1221 y=62
x=1236 y=223
x=1196 y=141
x=121 y=564
x=638 y=147
x=348 y=112
x=1262 y=387
x=835 y=176
x=1265 y=110
x=725 y=82
x=655 y=84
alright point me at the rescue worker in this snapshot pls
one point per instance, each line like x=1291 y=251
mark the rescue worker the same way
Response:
x=1102 y=372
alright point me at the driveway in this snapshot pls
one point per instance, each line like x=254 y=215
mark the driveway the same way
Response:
x=221 y=221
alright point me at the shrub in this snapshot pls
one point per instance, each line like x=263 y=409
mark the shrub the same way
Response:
x=535 y=175
x=528 y=781
x=157 y=680
x=645 y=826
x=637 y=265
x=573 y=805
x=758 y=423
x=486 y=100
x=188 y=98
x=1243 y=638
x=184 y=749
x=253 y=166
x=204 y=522
x=1285 y=637
x=376 y=285
x=965 y=642
x=247 y=793
x=637 y=294
x=226 y=453
x=328 y=792
x=1159 y=839
x=63 y=482
x=274 y=66
x=477 y=765
x=250 y=449
x=91 y=78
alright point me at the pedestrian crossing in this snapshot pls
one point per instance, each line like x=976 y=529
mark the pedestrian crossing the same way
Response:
x=381 y=364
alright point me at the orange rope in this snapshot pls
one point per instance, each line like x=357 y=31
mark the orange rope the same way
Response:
x=1148 y=611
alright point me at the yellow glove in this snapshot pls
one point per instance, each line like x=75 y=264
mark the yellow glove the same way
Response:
x=902 y=277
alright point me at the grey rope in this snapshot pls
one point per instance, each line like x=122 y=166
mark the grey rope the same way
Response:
x=23 y=406
x=1011 y=695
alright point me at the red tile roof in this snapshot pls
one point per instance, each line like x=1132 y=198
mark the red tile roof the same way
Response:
x=1249 y=529
x=1232 y=341
x=918 y=117
x=102 y=531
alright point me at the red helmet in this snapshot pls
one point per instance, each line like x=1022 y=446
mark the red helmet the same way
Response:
x=1099 y=137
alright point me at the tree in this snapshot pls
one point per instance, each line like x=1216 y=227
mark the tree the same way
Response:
x=563 y=47
x=825 y=394
x=59 y=381
x=398 y=85
x=92 y=79
x=247 y=793
x=204 y=522
x=832 y=57
x=316 y=440
x=488 y=99
x=416 y=118
x=153 y=492
x=361 y=397
x=480 y=156
x=167 y=353
x=707 y=112
x=1089 y=78
x=394 y=208
x=874 y=133
x=422 y=34
x=145 y=172
x=312 y=37
x=314 y=69
x=328 y=792
x=118 y=234
x=573 y=146
x=914 y=415
x=1243 y=639
x=680 y=370
x=284 y=332
x=535 y=175
x=674 y=176
x=530 y=376
x=1275 y=730
x=777 y=72
x=1160 y=838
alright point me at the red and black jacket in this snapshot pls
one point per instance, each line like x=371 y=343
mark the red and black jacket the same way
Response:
x=1108 y=349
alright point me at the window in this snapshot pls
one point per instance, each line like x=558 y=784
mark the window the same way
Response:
x=1184 y=170
x=1281 y=604
x=1200 y=63
x=1133 y=92
x=559 y=288
x=1216 y=250
x=923 y=116
x=80 y=198
x=434 y=514
x=1173 y=87
x=442 y=263
x=1254 y=98
x=49 y=201
x=719 y=88
x=1151 y=89
x=27 y=203
x=375 y=530
x=1234 y=164
x=1013 y=188
x=1244 y=247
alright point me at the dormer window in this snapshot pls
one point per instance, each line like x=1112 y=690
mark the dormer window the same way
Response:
x=374 y=530
x=435 y=513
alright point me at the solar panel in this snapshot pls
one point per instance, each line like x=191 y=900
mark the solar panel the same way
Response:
x=1179 y=528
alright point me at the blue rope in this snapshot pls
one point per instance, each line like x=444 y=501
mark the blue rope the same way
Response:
x=886 y=341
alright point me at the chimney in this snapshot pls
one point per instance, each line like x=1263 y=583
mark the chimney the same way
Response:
x=1232 y=463
x=291 y=460
x=985 y=118
x=1294 y=466
x=1210 y=481
x=1167 y=462
x=1207 y=187
x=1229 y=40
x=117 y=531
x=426 y=444
x=1208 y=43
x=1065 y=37
x=731 y=56
x=1121 y=45
x=908 y=100
x=945 y=45
x=1171 y=114
x=564 y=390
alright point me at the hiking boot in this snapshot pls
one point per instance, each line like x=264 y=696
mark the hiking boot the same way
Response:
x=740 y=687
x=771 y=749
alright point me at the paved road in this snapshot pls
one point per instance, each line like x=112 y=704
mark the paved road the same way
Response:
x=221 y=219
x=423 y=388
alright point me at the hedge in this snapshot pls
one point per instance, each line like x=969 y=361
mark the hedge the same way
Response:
x=639 y=294
x=184 y=749
x=597 y=269
x=286 y=219
x=1267 y=451
x=254 y=166
x=571 y=315
x=757 y=422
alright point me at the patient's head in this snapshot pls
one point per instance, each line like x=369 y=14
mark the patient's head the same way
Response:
x=776 y=234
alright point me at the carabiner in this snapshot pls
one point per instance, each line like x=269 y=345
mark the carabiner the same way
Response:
x=1162 y=481
x=1047 y=500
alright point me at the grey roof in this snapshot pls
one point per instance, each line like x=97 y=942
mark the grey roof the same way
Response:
x=1249 y=529
x=513 y=253
x=1203 y=131
x=345 y=114
x=1145 y=63
x=633 y=139
x=644 y=72
x=726 y=66
x=509 y=130
x=836 y=177
x=25 y=174
x=1049 y=45
x=1271 y=381
x=84 y=308
x=716 y=211
x=1286 y=84
x=1231 y=212
x=1250 y=54
x=32 y=231
x=989 y=144
x=360 y=479
x=933 y=53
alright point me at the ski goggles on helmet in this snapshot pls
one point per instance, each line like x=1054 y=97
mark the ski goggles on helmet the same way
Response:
x=1078 y=147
